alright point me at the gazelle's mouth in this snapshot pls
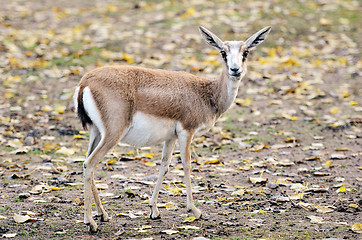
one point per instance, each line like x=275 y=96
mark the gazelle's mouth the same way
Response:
x=235 y=74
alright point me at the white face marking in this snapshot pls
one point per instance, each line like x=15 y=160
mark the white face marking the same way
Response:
x=148 y=130
x=235 y=58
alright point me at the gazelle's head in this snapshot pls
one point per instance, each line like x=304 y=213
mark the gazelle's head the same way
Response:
x=234 y=53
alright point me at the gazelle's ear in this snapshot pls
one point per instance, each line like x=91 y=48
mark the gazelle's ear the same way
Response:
x=211 y=38
x=257 y=38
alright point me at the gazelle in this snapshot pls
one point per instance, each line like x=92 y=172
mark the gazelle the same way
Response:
x=142 y=107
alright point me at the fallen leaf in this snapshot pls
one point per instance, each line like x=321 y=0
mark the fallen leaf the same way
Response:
x=338 y=156
x=342 y=189
x=189 y=219
x=258 y=180
x=357 y=228
x=316 y=219
x=21 y=218
x=239 y=192
x=65 y=151
x=150 y=164
x=189 y=227
x=325 y=209
x=169 y=231
x=9 y=235
x=214 y=161
x=101 y=186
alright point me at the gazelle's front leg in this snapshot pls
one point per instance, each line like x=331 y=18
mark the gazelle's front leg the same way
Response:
x=165 y=163
x=185 y=138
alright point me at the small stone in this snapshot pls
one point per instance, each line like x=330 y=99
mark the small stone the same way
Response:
x=24 y=195
x=29 y=140
x=271 y=185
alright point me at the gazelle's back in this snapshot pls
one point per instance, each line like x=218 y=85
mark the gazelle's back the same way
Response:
x=171 y=95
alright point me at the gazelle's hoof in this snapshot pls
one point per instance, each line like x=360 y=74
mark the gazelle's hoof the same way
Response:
x=155 y=214
x=156 y=217
x=105 y=217
x=92 y=227
x=197 y=213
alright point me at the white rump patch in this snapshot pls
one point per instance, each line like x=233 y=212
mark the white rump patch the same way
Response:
x=75 y=98
x=148 y=130
x=92 y=110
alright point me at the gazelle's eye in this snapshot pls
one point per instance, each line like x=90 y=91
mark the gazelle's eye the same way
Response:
x=245 y=54
x=223 y=54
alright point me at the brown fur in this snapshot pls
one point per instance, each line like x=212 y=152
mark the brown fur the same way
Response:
x=155 y=92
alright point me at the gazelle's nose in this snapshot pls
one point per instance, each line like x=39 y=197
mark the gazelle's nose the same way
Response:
x=234 y=69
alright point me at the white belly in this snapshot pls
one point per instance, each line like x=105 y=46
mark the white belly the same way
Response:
x=148 y=130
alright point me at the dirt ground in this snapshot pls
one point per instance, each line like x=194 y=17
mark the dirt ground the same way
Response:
x=283 y=163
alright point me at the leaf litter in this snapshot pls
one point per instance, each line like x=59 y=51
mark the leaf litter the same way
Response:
x=291 y=139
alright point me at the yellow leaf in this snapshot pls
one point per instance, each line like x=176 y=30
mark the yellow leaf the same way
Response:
x=342 y=189
x=9 y=95
x=78 y=136
x=294 y=118
x=214 y=161
x=150 y=164
x=111 y=161
x=149 y=155
x=334 y=110
x=272 y=52
x=130 y=153
x=48 y=146
x=342 y=149
x=46 y=108
x=353 y=103
x=127 y=58
x=261 y=192
x=243 y=102
x=317 y=63
x=262 y=211
x=353 y=205
x=329 y=163
x=223 y=213
x=56 y=188
x=60 y=108
x=190 y=219
x=257 y=147
x=275 y=102
x=290 y=61
x=342 y=60
x=189 y=12
x=78 y=201
x=112 y=8
x=357 y=228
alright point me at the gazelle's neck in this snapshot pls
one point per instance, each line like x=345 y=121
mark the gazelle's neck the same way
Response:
x=228 y=90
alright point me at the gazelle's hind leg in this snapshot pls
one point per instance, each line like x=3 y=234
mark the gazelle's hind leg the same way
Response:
x=165 y=162
x=102 y=140
x=108 y=140
x=95 y=138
